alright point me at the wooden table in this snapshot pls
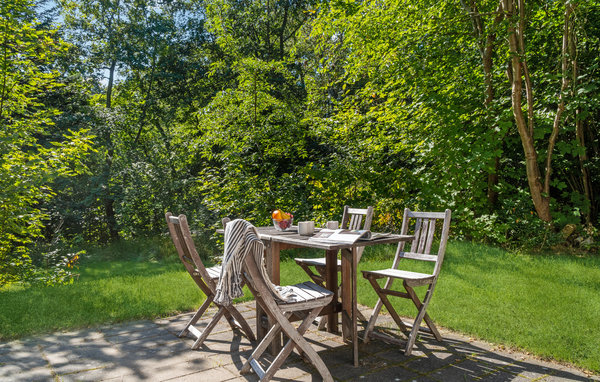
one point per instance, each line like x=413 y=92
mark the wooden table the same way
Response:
x=275 y=241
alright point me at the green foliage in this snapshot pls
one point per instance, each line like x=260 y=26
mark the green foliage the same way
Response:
x=399 y=98
x=29 y=161
x=252 y=144
x=237 y=108
x=396 y=140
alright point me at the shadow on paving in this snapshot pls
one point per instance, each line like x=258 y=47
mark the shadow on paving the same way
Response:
x=151 y=351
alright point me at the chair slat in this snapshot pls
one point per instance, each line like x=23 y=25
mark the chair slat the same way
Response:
x=414 y=246
x=430 y=234
x=214 y=272
x=314 y=290
x=398 y=273
x=302 y=294
x=428 y=215
x=357 y=211
x=355 y=222
x=418 y=256
x=317 y=288
x=423 y=235
x=305 y=292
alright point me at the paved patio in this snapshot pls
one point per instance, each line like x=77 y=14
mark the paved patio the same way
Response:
x=151 y=351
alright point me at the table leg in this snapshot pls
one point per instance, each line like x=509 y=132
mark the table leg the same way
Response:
x=273 y=263
x=349 y=305
x=261 y=331
x=272 y=250
x=331 y=282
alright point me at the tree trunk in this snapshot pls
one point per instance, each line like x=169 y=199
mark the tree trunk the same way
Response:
x=540 y=200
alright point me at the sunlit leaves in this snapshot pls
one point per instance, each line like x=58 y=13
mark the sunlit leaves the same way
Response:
x=27 y=166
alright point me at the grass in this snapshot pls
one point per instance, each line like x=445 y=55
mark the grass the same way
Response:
x=547 y=304
x=134 y=291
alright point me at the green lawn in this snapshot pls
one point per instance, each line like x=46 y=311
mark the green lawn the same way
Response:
x=546 y=304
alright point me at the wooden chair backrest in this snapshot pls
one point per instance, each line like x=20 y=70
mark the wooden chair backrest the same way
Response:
x=352 y=218
x=256 y=282
x=357 y=218
x=182 y=238
x=424 y=231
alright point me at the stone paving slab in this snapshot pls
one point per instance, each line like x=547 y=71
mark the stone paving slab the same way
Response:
x=151 y=351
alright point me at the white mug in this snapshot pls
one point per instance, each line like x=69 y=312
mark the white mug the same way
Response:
x=306 y=228
x=332 y=224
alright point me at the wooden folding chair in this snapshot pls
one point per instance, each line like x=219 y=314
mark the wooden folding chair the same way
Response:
x=206 y=279
x=309 y=300
x=420 y=250
x=352 y=218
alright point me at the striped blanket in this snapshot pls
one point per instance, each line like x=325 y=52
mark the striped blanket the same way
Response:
x=242 y=239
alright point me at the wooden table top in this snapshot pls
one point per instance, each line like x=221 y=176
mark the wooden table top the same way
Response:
x=291 y=236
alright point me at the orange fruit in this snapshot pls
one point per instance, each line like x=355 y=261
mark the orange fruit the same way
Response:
x=276 y=215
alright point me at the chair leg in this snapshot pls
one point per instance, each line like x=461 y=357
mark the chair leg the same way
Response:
x=230 y=320
x=213 y=322
x=322 y=323
x=360 y=316
x=196 y=316
x=376 y=310
x=422 y=312
x=317 y=279
x=383 y=298
x=296 y=340
x=426 y=317
x=264 y=344
x=241 y=322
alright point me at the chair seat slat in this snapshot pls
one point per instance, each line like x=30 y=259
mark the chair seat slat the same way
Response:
x=400 y=274
x=319 y=262
x=314 y=290
x=306 y=292
x=214 y=272
x=302 y=294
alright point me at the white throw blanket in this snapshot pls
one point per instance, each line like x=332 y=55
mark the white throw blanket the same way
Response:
x=241 y=239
